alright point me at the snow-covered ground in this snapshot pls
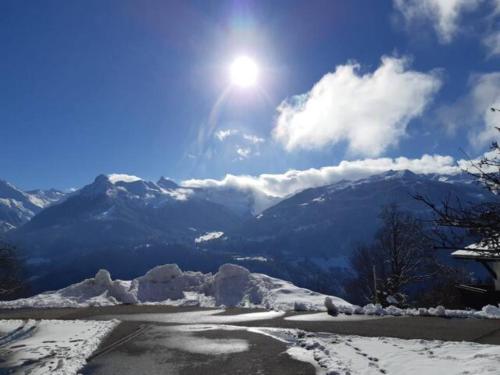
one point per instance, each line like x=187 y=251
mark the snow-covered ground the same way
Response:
x=340 y=354
x=49 y=346
x=232 y=285
x=209 y=236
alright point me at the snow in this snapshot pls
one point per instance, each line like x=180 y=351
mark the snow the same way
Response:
x=232 y=285
x=209 y=236
x=325 y=317
x=251 y=259
x=50 y=346
x=319 y=199
x=333 y=354
x=206 y=346
x=487 y=312
x=477 y=250
x=192 y=317
x=338 y=354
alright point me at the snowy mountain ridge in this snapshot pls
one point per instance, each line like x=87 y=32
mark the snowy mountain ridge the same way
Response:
x=18 y=207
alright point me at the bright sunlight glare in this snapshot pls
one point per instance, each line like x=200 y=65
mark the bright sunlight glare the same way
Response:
x=244 y=72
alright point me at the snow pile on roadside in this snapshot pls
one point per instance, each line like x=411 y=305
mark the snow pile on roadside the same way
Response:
x=58 y=347
x=488 y=312
x=339 y=354
x=232 y=285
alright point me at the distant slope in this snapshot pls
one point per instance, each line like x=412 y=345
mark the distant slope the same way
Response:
x=328 y=221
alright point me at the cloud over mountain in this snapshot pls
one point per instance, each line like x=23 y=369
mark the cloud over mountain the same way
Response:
x=266 y=186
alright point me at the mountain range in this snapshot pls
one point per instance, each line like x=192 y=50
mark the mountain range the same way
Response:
x=128 y=224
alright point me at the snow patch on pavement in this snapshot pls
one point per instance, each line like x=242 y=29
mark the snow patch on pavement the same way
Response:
x=208 y=316
x=207 y=346
x=325 y=317
x=58 y=347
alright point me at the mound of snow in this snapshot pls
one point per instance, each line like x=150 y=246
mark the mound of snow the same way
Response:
x=232 y=285
x=167 y=282
x=487 y=312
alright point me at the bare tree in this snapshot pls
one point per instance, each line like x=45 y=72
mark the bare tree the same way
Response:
x=400 y=257
x=480 y=222
x=11 y=283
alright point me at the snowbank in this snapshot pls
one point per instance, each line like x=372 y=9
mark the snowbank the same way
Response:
x=49 y=346
x=340 y=354
x=489 y=311
x=232 y=285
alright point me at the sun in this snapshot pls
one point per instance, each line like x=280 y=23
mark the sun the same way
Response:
x=244 y=72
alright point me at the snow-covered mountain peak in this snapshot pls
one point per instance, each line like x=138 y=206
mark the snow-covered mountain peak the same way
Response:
x=45 y=198
x=17 y=207
x=166 y=183
x=100 y=185
x=9 y=191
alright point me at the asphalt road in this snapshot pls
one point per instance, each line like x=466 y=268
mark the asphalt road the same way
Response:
x=485 y=331
x=152 y=348
x=149 y=353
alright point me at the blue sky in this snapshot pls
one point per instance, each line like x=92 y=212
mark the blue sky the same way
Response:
x=143 y=87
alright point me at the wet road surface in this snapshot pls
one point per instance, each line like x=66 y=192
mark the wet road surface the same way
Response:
x=150 y=347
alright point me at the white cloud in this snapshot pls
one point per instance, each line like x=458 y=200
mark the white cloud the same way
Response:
x=444 y=14
x=491 y=39
x=370 y=112
x=221 y=135
x=117 y=177
x=253 y=138
x=486 y=94
x=243 y=152
x=495 y=6
x=492 y=43
x=267 y=187
x=473 y=110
